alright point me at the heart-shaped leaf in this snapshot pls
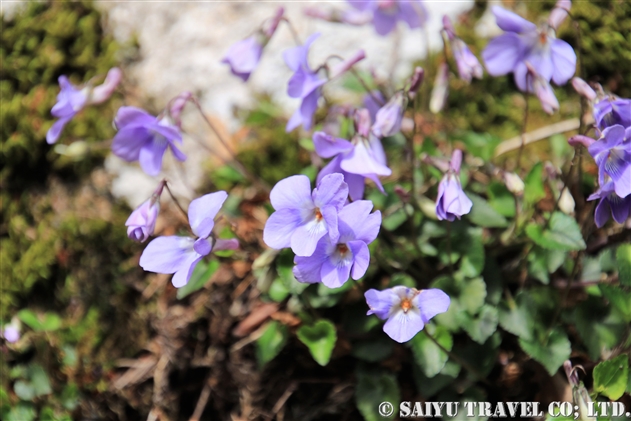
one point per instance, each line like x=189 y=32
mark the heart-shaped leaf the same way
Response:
x=320 y=338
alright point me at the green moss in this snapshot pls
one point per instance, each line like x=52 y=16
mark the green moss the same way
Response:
x=269 y=152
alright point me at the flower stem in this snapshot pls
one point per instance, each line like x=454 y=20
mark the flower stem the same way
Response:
x=262 y=185
x=294 y=34
x=523 y=131
x=177 y=203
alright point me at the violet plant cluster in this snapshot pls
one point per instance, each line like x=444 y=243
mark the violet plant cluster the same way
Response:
x=329 y=228
x=611 y=152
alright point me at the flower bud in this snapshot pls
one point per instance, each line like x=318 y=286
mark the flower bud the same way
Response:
x=346 y=65
x=105 y=90
x=142 y=222
x=559 y=13
x=415 y=81
x=176 y=106
x=514 y=183
x=362 y=122
x=388 y=118
x=542 y=89
x=583 y=88
x=579 y=139
x=566 y=202
x=228 y=244
x=448 y=27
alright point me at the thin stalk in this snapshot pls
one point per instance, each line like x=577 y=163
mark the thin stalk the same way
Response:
x=523 y=133
x=366 y=88
x=177 y=203
x=451 y=265
x=226 y=145
x=294 y=34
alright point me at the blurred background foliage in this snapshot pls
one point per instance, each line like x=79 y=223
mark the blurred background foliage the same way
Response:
x=70 y=274
x=61 y=263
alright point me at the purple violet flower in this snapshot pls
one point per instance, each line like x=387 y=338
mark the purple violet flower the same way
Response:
x=11 y=333
x=145 y=138
x=468 y=64
x=610 y=205
x=388 y=118
x=180 y=255
x=407 y=310
x=542 y=89
x=176 y=106
x=612 y=153
x=451 y=201
x=303 y=217
x=386 y=13
x=373 y=103
x=362 y=157
x=334 y=261
x=304 y=84
x=552 y=58
x=244 y=56
x=72 y=99
x=142 y=221
x=612 y=110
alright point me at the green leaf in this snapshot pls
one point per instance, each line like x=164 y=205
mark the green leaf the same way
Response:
x=481 y=327
x=483 y=215
x=427 y=354
x=285 y=271
x=610 y=377
x=21 y=412
x=553 y=353
x=373 y=388
x=51 y=322
x=24 y=390
x=471 y=248
x=481 y=144
x=563 y=234
x=39 y=380
x=481 y=356
x=533 y=185
x=427 y=386
x=47 y=322
x=502 y=200
x=599 y=326
x=538 y=265
x=620 y=299
x=517 y=317
x=472 y=294
x=394 y=220
x=320 y=339
x=373 y=350
x=354 y=319
x=271 y=342
x=201 y=274
x=278 y=291
x=623 y=259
